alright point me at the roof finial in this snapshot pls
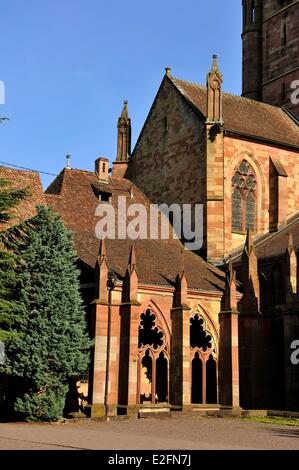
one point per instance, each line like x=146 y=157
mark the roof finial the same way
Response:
x=68 y=161
x=248 y=242
x=167 y=71
x=290 y=241
x=182 y=263
x=124 y=113
x=102 y=252
x=215 y=64
x=214 y=95
x=132 y=260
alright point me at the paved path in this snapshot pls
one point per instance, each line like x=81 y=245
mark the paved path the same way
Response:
x=177 y=433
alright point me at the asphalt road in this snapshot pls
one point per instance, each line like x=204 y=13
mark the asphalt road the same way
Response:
x=179 y=433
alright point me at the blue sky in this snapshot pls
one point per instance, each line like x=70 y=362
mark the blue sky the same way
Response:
x=68 y=65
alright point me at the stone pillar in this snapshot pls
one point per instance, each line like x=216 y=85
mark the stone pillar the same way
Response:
x=250 y=278
x=130 y=320
x=180 y=366
x=291 y=368
x=180 y=372
x=278 y=195
x=104 y=384
x=133 y=399
x=291 y=268
x=215 y=235
x=120 y=165
x=291 y=330
x=229 y=382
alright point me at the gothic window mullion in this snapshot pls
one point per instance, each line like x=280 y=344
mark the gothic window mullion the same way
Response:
x=243 y=198
x=243 y=210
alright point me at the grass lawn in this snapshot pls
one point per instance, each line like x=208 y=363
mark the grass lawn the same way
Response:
x=272 y=420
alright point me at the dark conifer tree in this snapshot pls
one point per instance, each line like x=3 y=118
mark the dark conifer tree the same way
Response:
x=52 y=344
x=9 y=315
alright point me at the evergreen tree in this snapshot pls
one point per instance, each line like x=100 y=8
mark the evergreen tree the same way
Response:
x=9 y=198
x=53 y=346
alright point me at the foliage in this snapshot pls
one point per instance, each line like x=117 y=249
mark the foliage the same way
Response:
x=51 y=345
x=9 y=198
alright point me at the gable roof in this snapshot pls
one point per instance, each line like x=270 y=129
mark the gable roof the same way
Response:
x=23 y=179
x=244 y=116
x=73 y=195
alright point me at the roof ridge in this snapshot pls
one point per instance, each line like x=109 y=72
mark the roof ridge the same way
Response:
x=80 y=171
x=226 y=93
x=35 y=172
x=187 y=81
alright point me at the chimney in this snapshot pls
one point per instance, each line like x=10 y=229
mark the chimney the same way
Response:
x=102 y=169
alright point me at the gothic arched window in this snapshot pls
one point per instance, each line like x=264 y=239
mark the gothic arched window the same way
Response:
x=244 y=198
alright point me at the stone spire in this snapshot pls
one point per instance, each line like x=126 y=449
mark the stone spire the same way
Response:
x=250 y=278
x=102 y=274
x=132 y=261
x=181 y=288
x=120 y=166
x=291 y=266
x=214 y=94
x=124 y=135
x=230 y=294
x=131 y=279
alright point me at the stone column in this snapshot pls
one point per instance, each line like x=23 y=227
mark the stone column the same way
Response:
x=103 y=389
x=229 y=372
x=180 y=363
x=130 y=320
x=180 y=375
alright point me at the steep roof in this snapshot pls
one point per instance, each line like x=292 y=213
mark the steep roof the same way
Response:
x=74 y=195
x=244 y=116
x=23 y=179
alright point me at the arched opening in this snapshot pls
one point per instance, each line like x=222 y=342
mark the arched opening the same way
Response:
x=199 y=338
x=204 y=365
x=153 y=360
x=196 y=395
x=161 y=379
x=146 y=378
x=211 y=371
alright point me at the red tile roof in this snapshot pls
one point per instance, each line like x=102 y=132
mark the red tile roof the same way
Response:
x=245 y=116
x=21 y=179
x=158 y=261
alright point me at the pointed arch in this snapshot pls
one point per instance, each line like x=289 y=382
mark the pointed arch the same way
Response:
x=204 y=341
x=153 y=354
x=210 y=326
x=153 y=305
x=260 y=199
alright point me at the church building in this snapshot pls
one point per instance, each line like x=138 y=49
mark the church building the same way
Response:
x=210 y=329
